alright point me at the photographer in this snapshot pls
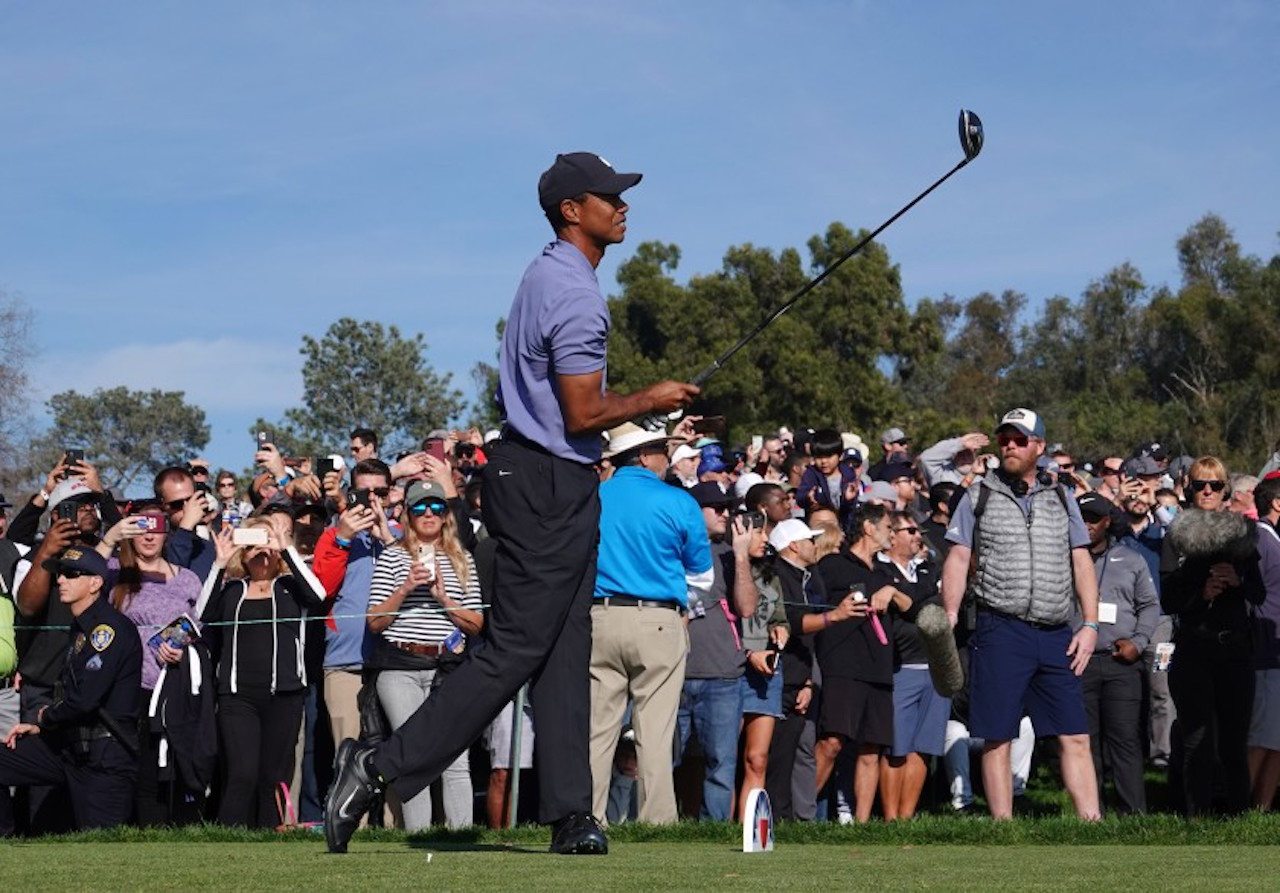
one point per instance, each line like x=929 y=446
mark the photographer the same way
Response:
x=424 y=603
x=254 y=610
x=151 y=592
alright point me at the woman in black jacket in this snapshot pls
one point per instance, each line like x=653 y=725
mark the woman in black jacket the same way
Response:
x=1209 y=581
x=255 y=600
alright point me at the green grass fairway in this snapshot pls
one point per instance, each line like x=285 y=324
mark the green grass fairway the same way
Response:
x=816 y=858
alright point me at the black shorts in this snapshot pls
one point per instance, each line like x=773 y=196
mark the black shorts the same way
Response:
x=857 y=710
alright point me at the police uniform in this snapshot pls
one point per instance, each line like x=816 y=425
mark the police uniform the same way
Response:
x=87 y=737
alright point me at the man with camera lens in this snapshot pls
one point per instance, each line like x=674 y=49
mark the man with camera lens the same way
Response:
x=711 y=702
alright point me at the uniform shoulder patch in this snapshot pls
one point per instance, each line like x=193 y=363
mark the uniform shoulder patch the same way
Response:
x=101 y=637
x=94 y=663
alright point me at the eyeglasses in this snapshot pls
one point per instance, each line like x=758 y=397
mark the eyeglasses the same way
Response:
x=1018 y=440
x=198 y=469
x=719 y=509
x=1108 y=471
x=177 y=505
x=380 y=492
x=418 y=509
x=70 y=574
x=1215 y=486
x=1066 y=466
x=224 y=484
x=910 y=530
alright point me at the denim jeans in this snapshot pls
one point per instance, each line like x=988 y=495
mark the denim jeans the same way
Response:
x=712 y=709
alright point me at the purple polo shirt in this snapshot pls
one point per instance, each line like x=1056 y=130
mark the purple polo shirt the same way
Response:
x=558 y=325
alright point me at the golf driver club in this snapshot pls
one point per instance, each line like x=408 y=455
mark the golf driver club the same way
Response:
x=970 y=142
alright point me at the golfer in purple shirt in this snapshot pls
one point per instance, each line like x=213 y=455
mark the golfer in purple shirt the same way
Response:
x=541 y=505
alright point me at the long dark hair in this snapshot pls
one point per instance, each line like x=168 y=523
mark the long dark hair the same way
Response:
x=129 y=578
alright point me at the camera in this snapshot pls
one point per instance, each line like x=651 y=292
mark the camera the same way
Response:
x=359 y=496
x=67 y=510
x=262 y=440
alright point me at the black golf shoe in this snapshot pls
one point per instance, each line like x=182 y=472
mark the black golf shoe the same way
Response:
x=579 y=834
x=356 y=784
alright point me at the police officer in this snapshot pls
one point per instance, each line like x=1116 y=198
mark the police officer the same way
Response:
x=84 y=739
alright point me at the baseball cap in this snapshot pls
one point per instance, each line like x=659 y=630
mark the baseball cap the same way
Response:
x=420 y=490
x=75 y=558
x=574 y=173
x=1094 y=506
x=791 y=531
x=891 y=471
x=684 y=451
x=879 y=491
x=893 y=435
x=1141 y=465
x=1153 y=449
x=1026 y=421
x=709 y=495
x=711 y=463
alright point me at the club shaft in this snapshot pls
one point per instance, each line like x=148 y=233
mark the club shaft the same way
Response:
x=813 y=283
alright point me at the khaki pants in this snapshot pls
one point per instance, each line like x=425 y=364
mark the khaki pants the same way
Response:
x=340 y=690
x=637 y=652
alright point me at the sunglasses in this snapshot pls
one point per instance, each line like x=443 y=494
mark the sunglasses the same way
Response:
x=1215 y=486
x=380 y=492
x=70 y=574
x=1107 y=471
x=911 y=530
x=418 y=509
x=1018 y=440
x=198 y=469
x=177 y=505
x=225 y=484
x=1066 y=466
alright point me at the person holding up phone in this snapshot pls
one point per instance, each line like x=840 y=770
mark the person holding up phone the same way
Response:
x=424 y=603
x=151 y=591
x=253 y=608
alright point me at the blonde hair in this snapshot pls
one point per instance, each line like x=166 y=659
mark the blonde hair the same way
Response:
x=449 y=542
x=235 y=566
x=828 y=543
x=1211 y=465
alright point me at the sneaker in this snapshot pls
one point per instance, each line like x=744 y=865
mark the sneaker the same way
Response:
x=355 y=786
x=579 y=834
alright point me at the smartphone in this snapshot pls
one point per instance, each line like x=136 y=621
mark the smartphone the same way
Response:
x=322 y=465
x=67 y=510
x=249 y=536
x=262 y=440
x=153 y=522
x=435 y=448
x=754 y=519
x=771 y=660
x=71 y=457
x=757 y=442
x=357 y=497
x=711 y=424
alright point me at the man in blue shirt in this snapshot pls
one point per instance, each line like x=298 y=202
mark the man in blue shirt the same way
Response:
x=541 y=506
x=653 y=550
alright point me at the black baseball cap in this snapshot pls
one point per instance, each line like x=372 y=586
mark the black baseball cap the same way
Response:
x=574 y=173
x=709 y=495
x=1094 y=506
x=78 y=558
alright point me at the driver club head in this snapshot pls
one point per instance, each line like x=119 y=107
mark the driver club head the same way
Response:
x=970 y=134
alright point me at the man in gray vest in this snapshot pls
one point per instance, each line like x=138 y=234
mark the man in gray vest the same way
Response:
x=1029 y=550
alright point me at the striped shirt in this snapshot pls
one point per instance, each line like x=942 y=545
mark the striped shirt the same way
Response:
x=422 y=620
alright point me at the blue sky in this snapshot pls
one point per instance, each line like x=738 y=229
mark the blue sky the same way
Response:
x=186 y=190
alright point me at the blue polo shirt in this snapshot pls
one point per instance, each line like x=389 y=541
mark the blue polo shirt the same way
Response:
x=651 y=536
x=558 y=325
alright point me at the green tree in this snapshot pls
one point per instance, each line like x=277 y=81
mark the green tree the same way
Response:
x=17 y=460
x=125 y=434
x=364 y=374
x=484 y=411
x=827 y=361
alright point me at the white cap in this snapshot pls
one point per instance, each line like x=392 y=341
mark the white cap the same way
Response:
x=880 y=491
x=746 y=482
x=491 y=435
x=69 y=489
x=685 y=451
x=791 y=531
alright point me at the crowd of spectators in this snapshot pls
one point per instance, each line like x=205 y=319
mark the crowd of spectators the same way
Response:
x=329 y=600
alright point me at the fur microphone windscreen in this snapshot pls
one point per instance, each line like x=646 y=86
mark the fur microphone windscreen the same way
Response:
x=1225 y=536
x=940 y=643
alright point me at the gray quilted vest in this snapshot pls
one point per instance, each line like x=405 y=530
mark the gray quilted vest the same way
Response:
x=1023 y=559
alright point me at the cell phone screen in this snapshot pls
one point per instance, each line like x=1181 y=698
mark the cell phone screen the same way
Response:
x=435 y=448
